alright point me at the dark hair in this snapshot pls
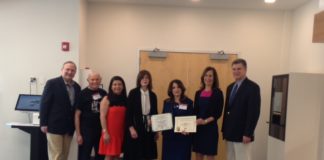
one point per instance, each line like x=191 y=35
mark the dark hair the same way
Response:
x=240 y=61
x=180 y=85
x=111 y=93
x=141 y=75
x=215 y=78
x=69 y=62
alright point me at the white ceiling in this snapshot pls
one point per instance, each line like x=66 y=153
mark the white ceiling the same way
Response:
x=244 y=4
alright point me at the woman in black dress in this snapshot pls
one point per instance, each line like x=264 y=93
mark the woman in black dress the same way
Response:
x=140 y=141
x=208 y=108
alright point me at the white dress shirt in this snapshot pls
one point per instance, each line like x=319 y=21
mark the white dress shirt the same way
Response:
x=146 y=105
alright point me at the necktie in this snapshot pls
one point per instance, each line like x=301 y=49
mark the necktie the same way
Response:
x=234 y=90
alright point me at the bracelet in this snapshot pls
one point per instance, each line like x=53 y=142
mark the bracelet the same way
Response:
x=206 y=121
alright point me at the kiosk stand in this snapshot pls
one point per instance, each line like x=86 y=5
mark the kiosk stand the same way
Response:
x=38 y=142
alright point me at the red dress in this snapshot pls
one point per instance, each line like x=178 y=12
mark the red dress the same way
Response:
x=115 y=126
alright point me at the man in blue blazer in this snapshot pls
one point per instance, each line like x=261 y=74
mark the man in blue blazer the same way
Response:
x=241 y=114
x=57 y=111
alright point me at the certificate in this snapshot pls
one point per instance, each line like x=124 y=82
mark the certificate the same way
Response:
x=185 y=124
x=161 y=122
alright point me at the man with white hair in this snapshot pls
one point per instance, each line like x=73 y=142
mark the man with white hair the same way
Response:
x=87 y=118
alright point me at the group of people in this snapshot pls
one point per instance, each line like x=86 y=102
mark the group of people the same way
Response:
x=113 y=123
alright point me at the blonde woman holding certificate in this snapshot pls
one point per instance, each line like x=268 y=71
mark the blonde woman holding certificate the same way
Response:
x=177 y=146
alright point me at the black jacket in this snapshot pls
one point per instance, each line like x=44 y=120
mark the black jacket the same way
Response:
x=241 y=117
x=134 y=115
x=215 y=105
x=144 y=147
x=56 y=111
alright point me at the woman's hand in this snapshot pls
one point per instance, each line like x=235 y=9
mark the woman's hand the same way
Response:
x=200 y=121
x=149 y=122
x=185 y=133
x=133 y=132
x=106 y=137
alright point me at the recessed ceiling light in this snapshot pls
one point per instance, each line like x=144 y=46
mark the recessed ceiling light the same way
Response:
x=269 y=1
x=195 y=0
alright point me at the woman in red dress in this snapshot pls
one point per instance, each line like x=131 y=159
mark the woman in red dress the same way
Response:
x=112 y=118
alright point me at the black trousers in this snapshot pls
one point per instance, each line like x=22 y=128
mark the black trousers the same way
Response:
x=91 y=138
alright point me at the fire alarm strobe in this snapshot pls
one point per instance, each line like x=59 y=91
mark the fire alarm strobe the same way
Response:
x=65 y=46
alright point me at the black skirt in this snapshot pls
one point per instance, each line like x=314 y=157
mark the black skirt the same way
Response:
x=144 y=147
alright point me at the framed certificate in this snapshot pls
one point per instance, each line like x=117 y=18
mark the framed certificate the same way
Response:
x=161 y=122
x=185 y=124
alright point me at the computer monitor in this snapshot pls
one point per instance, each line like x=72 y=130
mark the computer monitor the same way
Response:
x=28 y=102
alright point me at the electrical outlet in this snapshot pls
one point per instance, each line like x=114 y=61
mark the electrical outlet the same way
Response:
x=33 y=79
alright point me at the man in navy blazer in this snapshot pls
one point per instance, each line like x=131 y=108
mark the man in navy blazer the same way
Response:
x=241 y=114
x=57 y=111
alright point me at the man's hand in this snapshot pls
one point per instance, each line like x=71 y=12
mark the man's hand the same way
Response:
x=79 y=139
x=44 y=129
x=246 y=139
x=156 y=137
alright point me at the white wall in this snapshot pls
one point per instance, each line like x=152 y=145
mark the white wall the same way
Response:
x=31 y=34
x=117 y=32
x=305 y=56
x=305 y=94
x=83 y=33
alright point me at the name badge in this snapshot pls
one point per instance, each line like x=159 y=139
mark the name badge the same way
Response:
x=183 y=106
x=96 y=96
